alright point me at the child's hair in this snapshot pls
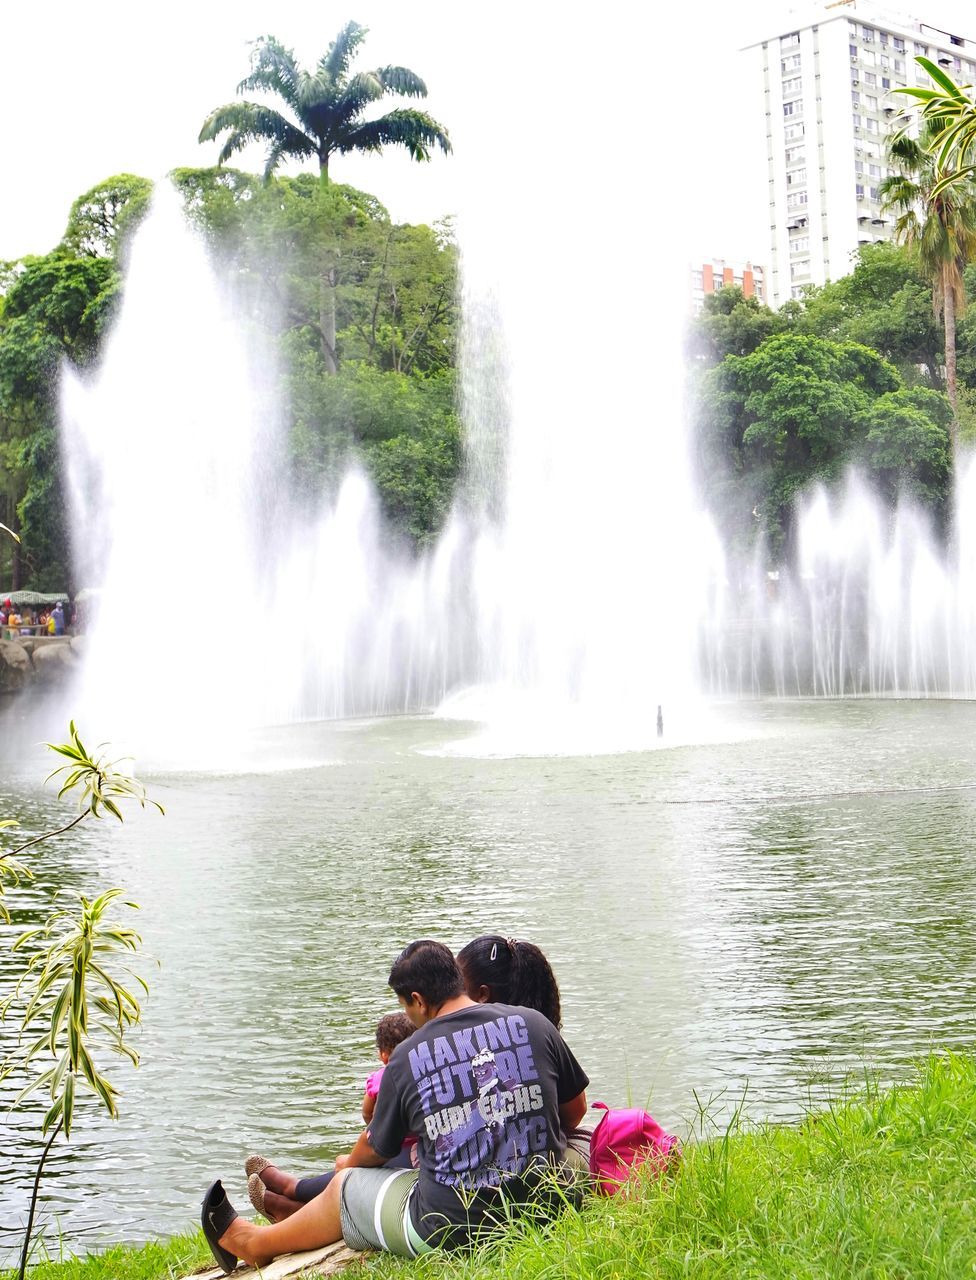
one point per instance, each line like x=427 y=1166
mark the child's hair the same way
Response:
x=514 y=973
x=393 y=1030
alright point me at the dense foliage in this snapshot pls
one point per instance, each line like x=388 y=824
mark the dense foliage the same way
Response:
x=391 y=404
x=849 y=375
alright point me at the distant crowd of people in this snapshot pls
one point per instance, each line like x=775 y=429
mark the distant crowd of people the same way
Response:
x=45 y=622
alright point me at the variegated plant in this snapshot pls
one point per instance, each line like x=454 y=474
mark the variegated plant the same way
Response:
x=76 y=997
x=951 y=113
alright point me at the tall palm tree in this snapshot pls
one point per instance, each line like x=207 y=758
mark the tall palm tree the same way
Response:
x=936 y=215
x=325 y=116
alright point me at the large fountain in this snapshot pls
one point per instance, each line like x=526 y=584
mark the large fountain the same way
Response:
x=577 y=585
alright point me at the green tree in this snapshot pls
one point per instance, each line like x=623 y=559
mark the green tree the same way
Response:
x=906 y=445
x=103 y=220
x=801 y=408
x=730 y=324
x=937 y=217
x=404 y=428
x=884 y=303
x=326 y=115
x=55 y=308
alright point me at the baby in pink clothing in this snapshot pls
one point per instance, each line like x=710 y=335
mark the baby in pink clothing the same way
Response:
x=390 y=1031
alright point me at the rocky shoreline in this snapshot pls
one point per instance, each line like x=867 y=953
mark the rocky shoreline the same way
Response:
x=38 y=662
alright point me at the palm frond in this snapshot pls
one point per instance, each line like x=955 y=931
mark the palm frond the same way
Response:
x=363 y=88
x=414 y=130
x=401 y=80
x=273 y=69
x=315 y=94
x=247 y=122
x=335 y=63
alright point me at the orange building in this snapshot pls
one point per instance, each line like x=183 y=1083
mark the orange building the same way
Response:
x=713 y=275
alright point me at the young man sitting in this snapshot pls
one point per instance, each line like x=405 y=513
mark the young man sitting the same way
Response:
x=491 y=1091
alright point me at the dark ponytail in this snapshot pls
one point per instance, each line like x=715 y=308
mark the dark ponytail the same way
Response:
x=514 y=973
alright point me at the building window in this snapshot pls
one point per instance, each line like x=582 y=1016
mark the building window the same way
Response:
x=857 y=121
x=796 y=155
x=867 y=34
x=794 y=108
x=922 y=49
x=874 y=193
x=796 y=178
x=797 y=291
x=792 y=86
x=800 y=245
x=899 y=44
x=874 y=170
x=859 y=190
x=882 y=37
x=698 y=279
x=790 y=41
x=854 y=50
x=885 y=82
x=855 y=98
x=795 y=198
x=885 y=62
x=792 y=131
x=870 y=79
x=900 y=67
x=792 y=63
x=801 y=268
x=871 y=125
x=859 y=167
x=868 y=59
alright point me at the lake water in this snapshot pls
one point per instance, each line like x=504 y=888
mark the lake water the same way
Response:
x=770 y=912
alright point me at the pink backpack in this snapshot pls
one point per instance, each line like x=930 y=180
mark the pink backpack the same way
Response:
x=623 y=1139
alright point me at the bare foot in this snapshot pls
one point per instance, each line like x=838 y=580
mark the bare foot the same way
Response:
x=277 y=1180
x=277 y=1207
x=243 y=1239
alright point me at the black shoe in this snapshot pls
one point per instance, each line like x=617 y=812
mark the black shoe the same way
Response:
x=216 y=1215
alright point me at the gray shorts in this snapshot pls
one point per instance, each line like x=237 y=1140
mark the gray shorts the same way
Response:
x=374 y=1209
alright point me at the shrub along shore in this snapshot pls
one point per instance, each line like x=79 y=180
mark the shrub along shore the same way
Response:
x=880 y=1185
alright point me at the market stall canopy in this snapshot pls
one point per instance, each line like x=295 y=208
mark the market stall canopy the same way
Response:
x=34 y=597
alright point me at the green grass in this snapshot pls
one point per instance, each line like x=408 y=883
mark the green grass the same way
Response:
x=880 y=1186
x=159 y=1260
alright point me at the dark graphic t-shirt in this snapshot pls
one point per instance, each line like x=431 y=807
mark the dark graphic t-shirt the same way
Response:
x=482 y=1089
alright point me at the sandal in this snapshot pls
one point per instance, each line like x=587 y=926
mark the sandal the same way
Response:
x=216 y=1215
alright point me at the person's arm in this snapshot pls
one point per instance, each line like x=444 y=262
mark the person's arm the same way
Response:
x=572 y=1112
x=369 y=1105
x=362 y=1156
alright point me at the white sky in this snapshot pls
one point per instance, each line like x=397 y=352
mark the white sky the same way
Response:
x=89 y=91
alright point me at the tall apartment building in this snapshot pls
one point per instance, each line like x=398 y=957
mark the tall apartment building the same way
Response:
x=829 y=103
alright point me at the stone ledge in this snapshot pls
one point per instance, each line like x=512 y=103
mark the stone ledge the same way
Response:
x=316 y=1262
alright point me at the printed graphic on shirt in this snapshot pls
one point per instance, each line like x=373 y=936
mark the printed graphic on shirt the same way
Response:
x=482 y=1102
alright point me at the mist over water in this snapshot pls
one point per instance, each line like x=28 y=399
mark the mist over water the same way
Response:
x=876 y=603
